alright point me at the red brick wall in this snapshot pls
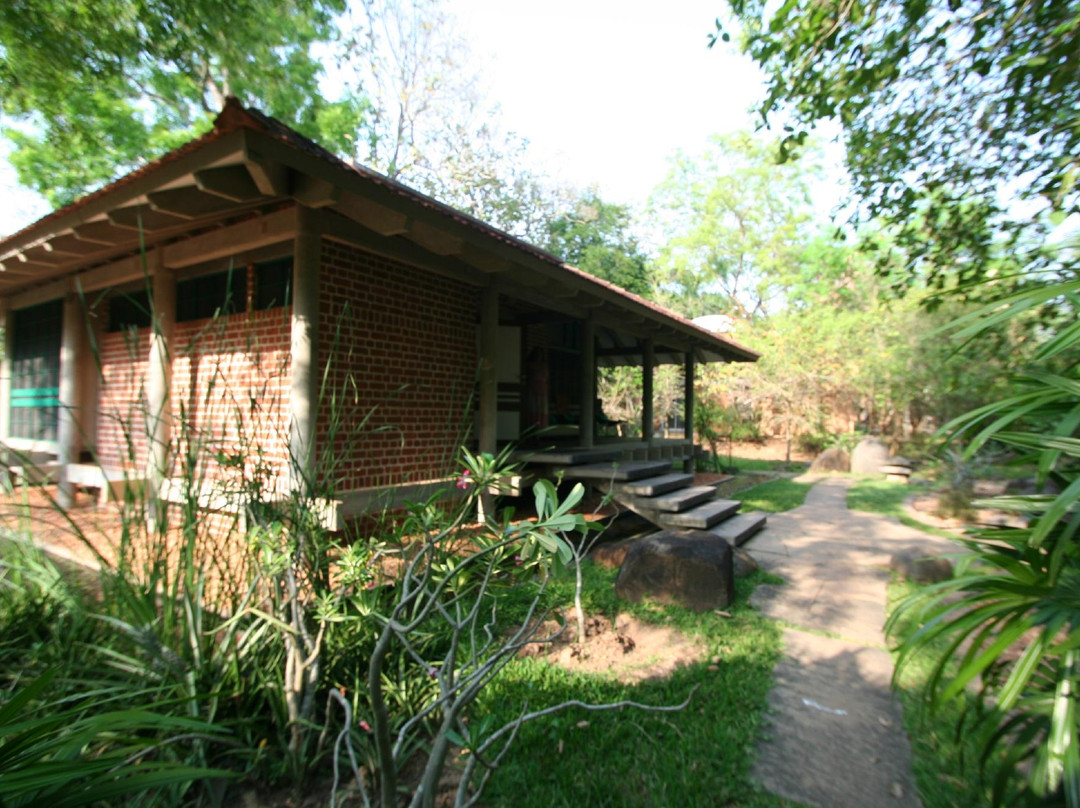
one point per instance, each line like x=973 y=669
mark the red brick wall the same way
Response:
x=230 y=384
x=121 y=434
x=405 y=358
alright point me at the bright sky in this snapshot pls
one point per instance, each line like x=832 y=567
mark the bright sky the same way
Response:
x=604 y=90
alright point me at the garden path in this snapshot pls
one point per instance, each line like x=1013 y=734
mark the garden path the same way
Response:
x=835 y=737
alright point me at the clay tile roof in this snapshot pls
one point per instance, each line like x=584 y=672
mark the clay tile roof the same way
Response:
x=235 y=116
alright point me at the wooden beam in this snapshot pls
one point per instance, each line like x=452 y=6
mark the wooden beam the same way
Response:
x=314 y=193
x=142 y=218
x=376 y=217
x=338 y=228
x=103 y=233
x=482 y=259
x=232 y=240
x=234 y=183
x=272 y=177
x=189 y=202
x=433 y=239
x=68 y=245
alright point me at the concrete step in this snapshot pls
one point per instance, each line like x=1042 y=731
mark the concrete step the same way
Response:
x=679 y=500
x=654 y=486
x=741 y=527
x=619 y=472
x=703 y=516
x=569 y=457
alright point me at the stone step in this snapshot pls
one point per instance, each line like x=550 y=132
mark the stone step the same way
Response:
x=677 y=500
x=703 y=516
x=654 y=486
x=741 y=527
x=569 y=457
x=619 y=472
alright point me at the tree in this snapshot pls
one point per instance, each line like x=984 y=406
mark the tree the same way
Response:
x=430 y=125
x=953 y=112
x=596 y=236
x=97 y=88
x=732 y=220
x=950 y=110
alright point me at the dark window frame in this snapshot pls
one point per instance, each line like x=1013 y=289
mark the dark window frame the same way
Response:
x=219 y=293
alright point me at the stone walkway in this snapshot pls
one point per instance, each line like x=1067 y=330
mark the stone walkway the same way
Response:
x=835 y=737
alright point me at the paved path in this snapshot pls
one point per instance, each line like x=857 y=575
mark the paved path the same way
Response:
x=835 y=737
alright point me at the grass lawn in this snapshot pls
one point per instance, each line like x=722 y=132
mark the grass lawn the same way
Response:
x=774 y=496
x=700 y=756
x=945 y=763
x=878 y=496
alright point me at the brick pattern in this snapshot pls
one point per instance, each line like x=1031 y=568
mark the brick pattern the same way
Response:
x=121 y=430
x=403 y=345
x=230 y=394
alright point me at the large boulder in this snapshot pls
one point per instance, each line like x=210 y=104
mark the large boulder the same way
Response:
x=920 y=568
x=835 y=459
x=688 y=568
x=869 y=456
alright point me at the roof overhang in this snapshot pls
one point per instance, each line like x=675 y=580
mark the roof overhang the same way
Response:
x=237 y=188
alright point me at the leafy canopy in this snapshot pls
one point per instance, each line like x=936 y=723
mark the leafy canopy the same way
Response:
x=950 y=109
x=596 y=236
x=96 y=88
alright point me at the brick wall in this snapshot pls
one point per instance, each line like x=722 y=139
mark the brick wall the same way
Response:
x=403 y=344
x=230 y=385
x=121 y=432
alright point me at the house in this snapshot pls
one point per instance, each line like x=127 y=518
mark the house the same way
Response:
x=270 y=295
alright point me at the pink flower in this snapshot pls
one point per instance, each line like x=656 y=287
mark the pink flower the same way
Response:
x=365 y=726
x=464 y=479
x=517 y=560
x=432 y=672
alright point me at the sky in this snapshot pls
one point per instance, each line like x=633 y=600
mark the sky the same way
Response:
x=604 y=91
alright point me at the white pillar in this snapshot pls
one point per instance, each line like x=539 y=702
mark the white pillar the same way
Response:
x=67 y=433
x=587 y=426
x=489 y=380
x=159 y=381
x=647 y=361
x=304 y=350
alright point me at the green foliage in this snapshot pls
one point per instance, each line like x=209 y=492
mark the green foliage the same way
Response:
x=643 y=759
x=996 y=89
x=775 y=496
x=596 y=236
x=732 y=222
x=67 y=756
x=150 y=76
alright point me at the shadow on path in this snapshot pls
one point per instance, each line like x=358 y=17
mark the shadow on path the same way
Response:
x=835 y=737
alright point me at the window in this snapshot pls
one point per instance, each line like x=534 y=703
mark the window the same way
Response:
x=129 y=310
x=35 y=371
x=224 y=292
x=273 y=283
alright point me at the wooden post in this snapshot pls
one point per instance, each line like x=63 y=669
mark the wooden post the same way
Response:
x=489 y=381
x=587 y=427
x=67 y=432
x=688 y=400
x=5 y=371
x=159 y=381
x=304 y=350
x=647 y=362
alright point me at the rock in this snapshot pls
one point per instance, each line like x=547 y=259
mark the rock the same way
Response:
x=921 y=569
x=869 y=455
x=611 y=554
x=744 y=563
x=835 y=459
x=688 y=568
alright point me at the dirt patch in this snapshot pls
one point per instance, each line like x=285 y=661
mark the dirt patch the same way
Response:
x=627 y=650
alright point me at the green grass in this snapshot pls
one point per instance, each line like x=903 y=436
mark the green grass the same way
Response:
x=774 y=496
x=878 y=496
x=699 y=756
x=945 y=763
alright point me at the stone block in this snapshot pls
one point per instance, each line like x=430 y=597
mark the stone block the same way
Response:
x=686 y=568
